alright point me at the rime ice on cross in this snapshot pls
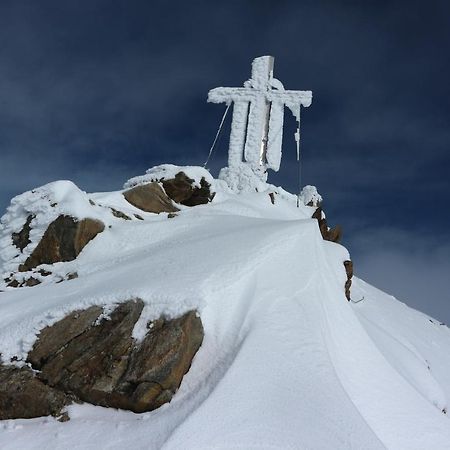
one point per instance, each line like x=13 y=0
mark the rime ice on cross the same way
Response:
x=258 y=111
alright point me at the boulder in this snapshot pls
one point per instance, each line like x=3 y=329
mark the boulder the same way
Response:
x=97 y=360
x=182 y=189
x=63 y=241
x=23 y=396
x=150 y=198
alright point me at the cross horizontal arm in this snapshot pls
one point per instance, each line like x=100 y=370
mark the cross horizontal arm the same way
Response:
x=288 y=98
x=226 y=95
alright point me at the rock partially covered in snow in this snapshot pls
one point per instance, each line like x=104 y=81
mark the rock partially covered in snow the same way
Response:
x=150 y=198
x=50 y=224
x=329 y=234
x=185 y=185
x=310 y=196
x=168 y=172
x=63 y=241
x=91 y=356
x=29 y=215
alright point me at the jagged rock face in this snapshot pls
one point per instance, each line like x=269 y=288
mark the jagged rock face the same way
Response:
x=181 y=189
x=63 y=241
x=22 y=395
x=98 y=361
x=22 y=238
x=329 y=234
x=150 y=198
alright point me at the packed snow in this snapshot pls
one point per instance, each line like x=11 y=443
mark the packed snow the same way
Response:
x=286 y=363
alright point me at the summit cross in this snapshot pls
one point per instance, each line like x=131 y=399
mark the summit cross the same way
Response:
x=258 y=114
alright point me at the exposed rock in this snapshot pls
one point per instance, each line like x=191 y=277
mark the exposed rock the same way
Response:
x=157 y=366
x=12 y=283
x=23 y=396
x=272 y=198
x=52 y=339
x=150 y=198
x=138 y=217
x=98 y=361
x=181 y=189
x=119 y=214
x=31 y=282
x=22 y=238
x=349 y=271
x=329 y=234
x=63 y=240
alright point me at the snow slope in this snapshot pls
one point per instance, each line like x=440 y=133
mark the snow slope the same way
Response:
x=286 y=363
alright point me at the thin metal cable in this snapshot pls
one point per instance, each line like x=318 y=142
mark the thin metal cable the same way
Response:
x=217 y=135
x=298 y=159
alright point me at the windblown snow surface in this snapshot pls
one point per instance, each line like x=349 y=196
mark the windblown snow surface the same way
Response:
x=286 y=362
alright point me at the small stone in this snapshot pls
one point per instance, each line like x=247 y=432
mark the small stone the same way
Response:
x=119 y=214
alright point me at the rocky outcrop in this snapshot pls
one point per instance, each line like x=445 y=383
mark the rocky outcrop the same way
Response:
x=329 y=234
x=92 y=358
x=349 y=271
x=150 y=198
x=22 y=238
x=22 y=395
x=182 y=189
x=63 y=241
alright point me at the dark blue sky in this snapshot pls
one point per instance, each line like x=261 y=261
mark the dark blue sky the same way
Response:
x=98 y=91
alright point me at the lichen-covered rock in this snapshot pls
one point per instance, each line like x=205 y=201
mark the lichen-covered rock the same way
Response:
x=63 y=241
x=23 y=396
x=97 y=360
x=150 y=198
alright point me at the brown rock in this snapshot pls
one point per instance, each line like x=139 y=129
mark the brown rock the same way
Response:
x=150 y=198
x=98 y=361
x=23 y=396
x=329 y=234
x=349 y=271
x=32 y=282
x=22 y=238
x=54 y=338
x=119 y=214
x=63 y=240
x=182 y=190
x=272 y=198
x=158 y=364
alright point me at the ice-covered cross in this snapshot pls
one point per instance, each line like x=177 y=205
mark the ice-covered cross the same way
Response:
x=258 y=112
